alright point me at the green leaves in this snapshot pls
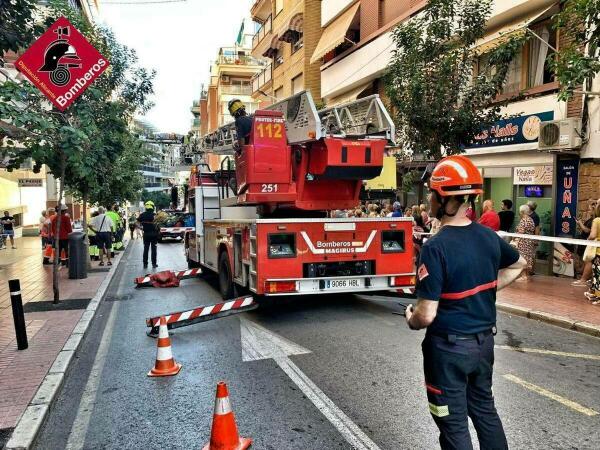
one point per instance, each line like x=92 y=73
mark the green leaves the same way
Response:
x=438 y=103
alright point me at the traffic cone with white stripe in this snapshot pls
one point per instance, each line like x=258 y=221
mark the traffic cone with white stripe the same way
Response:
x=165 y=364
x=224 y=434
x=48 y=254
x=63 y=257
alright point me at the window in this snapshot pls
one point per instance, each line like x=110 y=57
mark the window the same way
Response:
x=279 y=93
x=530 y=68
x=298 y=43
x=298 y=84
x=278 y=6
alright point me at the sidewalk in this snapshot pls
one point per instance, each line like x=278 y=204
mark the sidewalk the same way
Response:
x=553 y=300
x=48 y=327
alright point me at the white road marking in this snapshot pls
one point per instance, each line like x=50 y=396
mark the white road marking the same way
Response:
x=88 y=398
x=551 y=395
x=548 y=352
x=259 y=343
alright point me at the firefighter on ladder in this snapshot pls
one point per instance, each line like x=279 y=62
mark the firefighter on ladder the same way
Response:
x=456 y=290
x=243 y=122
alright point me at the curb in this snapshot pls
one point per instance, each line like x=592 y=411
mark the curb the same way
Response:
x=32 y=419
x=559 y=321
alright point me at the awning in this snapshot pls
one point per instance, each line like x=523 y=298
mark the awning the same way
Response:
x=271 y=51
x=294 y=29
x=335 y=33
x=349 y=96
x=517 y=28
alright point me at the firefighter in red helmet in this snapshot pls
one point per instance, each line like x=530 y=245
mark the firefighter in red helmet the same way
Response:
x=459 y=271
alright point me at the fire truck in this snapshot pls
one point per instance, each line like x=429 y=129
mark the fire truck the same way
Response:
x=262 y=222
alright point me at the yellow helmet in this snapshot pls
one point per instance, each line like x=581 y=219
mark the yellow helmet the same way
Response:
x=149 y=204
x=235 y=105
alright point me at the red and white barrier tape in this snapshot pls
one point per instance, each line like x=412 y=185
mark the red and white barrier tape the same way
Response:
x=176 y=229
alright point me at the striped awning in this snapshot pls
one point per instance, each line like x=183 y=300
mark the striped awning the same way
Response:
x=335 y=33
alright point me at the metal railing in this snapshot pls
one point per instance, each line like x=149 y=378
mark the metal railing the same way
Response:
x=239 y=60
x=262 y=78
x=264 y=30
x=236 y=89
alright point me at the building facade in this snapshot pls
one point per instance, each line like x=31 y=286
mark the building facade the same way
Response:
x=289 y=31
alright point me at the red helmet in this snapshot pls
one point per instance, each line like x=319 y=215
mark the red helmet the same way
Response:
x=456 y=175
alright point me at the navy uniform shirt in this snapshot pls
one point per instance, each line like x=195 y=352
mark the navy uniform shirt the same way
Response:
x=459 y=268
x=147 y=220
x=243 y=126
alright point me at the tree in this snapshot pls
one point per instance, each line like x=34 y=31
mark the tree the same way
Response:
x=438 y=102
x=18 y=27
x=577 y=62
x=82 y=145
x=160 y=199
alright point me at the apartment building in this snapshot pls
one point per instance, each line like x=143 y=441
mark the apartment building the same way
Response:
x=230 y=77
x=288 y=35
x=356 y=47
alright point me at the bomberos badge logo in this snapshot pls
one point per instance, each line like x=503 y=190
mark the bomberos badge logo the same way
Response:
x=62 y=63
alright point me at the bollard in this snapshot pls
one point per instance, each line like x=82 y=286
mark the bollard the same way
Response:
x=19 y=317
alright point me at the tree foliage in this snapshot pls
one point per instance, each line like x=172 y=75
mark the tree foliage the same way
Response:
x=438 y=102
x=18 y=27
x=161 y=200
x=577 y=61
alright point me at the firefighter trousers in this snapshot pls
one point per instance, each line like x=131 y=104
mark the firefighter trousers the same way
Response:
x=150 y=243
x=458 y=379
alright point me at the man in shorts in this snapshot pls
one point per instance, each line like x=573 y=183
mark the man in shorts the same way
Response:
x=8 y=222
x=102 y=225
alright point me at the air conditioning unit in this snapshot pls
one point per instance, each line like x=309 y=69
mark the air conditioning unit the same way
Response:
x=560 y=135
x=225 y=78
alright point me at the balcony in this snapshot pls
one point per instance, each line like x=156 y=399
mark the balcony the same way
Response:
x=260 y=10
x=195 y=109
x=236 y=89
x=196 y=123
x=262 y=78
x=263 y=31
x=238 y=60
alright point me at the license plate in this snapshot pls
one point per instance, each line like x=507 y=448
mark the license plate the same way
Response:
x=351 y=283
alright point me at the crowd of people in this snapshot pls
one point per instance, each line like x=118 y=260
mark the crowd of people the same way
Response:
x=525 y=221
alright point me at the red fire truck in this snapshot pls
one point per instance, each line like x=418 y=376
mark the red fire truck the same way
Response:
x=261 y=222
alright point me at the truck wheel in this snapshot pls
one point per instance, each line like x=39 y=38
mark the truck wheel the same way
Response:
x=225 y=278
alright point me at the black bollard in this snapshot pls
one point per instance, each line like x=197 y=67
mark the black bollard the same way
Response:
x=19 y=317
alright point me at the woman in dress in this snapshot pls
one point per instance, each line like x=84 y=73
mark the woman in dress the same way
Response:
x=526 y=247
x=594 y=293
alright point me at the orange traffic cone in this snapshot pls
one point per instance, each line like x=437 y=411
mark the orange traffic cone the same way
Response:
x=224 y=434
x=165 y=364
x=48 y=254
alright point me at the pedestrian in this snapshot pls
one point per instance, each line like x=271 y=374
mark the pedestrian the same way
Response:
x=585 y=227
x=102 y=225
x=47 y=228
x=397 y=210
x=146 y=219
x=456 y=290
x=117 y=227
x=594 y=293
x=424 y=215
x=93 y=248
x=526 y=247
x=65 y=229
x=534 y=216
x=42 y=220
x=2 y=238
x=507 y=215
x=8 y=222
x=132 y=225
x=490 y=218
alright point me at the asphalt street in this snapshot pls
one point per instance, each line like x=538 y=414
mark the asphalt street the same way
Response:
x=338 y=372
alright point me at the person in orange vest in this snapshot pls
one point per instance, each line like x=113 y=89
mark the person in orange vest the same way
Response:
x=65 y=229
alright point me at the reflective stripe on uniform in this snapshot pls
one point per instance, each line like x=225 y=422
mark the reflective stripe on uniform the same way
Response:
x=467 y=293
x=439 y=411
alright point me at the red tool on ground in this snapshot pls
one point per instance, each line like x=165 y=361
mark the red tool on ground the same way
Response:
x=201 y=314
x=166 y=278
x=165 y=365
x=224 y=433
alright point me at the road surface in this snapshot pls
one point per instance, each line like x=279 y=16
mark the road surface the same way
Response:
x=314 y=373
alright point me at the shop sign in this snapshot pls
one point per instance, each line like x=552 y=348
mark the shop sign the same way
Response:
x=567 y=174
x=517 y=130
x=30 y=182
x=540 y=175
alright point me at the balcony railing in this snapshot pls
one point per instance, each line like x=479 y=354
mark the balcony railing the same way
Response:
x=236 y=89
x=264 y=30
x=238 y=60
x=262 y=78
